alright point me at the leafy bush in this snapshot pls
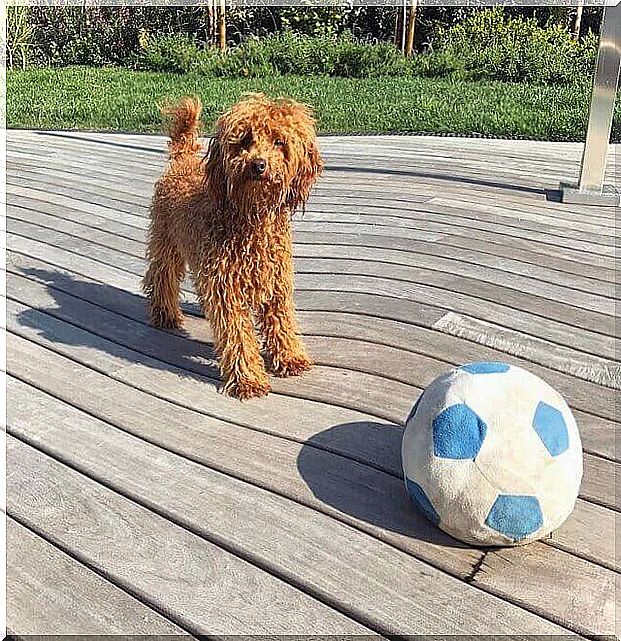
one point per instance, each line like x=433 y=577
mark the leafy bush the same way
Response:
x=100 y=35
x=282 y=54
x=489 y=44
x=176 y=53
x=359 y=60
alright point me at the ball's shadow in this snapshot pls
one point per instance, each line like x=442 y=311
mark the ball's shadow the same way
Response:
x=355 y=468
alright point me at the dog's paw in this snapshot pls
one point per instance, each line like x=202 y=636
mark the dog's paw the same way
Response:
x=246 y=388
x=164 y=319
x=293 y=366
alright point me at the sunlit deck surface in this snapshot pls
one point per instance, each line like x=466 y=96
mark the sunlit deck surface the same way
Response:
x=142 y=501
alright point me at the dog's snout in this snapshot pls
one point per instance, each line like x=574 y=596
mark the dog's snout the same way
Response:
x=259 y=166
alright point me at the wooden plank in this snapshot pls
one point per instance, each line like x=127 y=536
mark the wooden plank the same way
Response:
x=592 y=606
x=426 y=183
x=534 y=266
x=330 y=192
x=207 y=589
x=13 y=195
x=345 y=389
x=489 y=311
x=576 y=364
x=590 y=532
x=452 y=235
x=28 y=206
x=487 y=247
x=301 y=463
x=125 y=190
x=360 y=353
x=512 y=211
x=100 y=448
x=447 y=224
x=548 y=289
x=598 y=434
x=355 y=391
x=105 y=237
x=472 y=214
x=396 y=271
x=82 y=196
x=50 y=593
x=603 y=481
x=305 y=548
x=308 y=471
x=427 y=265
x=515 y=199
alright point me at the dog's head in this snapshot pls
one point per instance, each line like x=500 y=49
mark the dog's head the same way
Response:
x=264 y=151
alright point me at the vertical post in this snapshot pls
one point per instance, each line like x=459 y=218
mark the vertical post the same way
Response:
x=602 y=102
x=409 y=46
x=404 y=19
x=222 y=25
x=578 y=20
x=399 y=27
x=591 y=186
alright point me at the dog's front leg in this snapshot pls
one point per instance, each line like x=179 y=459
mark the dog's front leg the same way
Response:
x=241 y=364
x=283 y=343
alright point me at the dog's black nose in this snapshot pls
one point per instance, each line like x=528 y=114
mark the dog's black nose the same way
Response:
x=259 y=166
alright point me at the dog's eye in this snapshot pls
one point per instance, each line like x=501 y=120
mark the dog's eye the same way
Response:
x=246 y=141
x=279 y=143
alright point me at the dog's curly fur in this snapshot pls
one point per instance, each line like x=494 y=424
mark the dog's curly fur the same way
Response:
x=230 y=223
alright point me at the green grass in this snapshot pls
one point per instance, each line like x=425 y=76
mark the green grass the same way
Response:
x=119 y=99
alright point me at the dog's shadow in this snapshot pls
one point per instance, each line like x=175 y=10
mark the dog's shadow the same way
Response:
x=111 y=320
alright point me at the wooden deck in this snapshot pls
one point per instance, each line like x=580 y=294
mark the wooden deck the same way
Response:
x=141 y=501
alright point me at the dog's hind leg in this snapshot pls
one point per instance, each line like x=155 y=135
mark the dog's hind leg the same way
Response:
x=162 y=283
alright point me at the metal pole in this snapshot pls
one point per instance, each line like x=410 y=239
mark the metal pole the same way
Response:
x=591 y=188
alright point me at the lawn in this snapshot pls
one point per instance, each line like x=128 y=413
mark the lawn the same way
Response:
x=120 y=99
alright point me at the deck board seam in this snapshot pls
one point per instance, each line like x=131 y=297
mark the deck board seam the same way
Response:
x=451 y=260
x=142 y=195
x=468 y=579
x=84 y=563
x=203 y=535
x=391 y=279
x=309 y=242
x=499 y=227
x=447 y=234
x=189 y=309
x=327 y=335
x=367 y=463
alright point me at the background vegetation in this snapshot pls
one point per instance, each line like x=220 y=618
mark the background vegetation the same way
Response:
x=520 y=71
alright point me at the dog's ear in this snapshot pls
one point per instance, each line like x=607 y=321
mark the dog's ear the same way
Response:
x=309 y=169
x=215 y=173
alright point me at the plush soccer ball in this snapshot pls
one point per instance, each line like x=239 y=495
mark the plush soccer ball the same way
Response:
x=492 y=455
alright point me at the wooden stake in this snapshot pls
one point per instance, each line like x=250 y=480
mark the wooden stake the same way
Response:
x=578 y=21
x=210 y=34
x=222 y=25
x=409 y=45
x=399 y=29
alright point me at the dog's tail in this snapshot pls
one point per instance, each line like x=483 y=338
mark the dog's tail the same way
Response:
x=183 y=126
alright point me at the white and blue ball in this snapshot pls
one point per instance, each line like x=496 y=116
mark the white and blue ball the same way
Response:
x=492 y=455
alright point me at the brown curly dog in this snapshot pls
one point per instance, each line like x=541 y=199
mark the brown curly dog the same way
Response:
x=227 y=216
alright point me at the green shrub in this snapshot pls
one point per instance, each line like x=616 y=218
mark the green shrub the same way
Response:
x=281 y=54
x=176 y=53
x=248 y=60
x=359 y=60
x=489 y=44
